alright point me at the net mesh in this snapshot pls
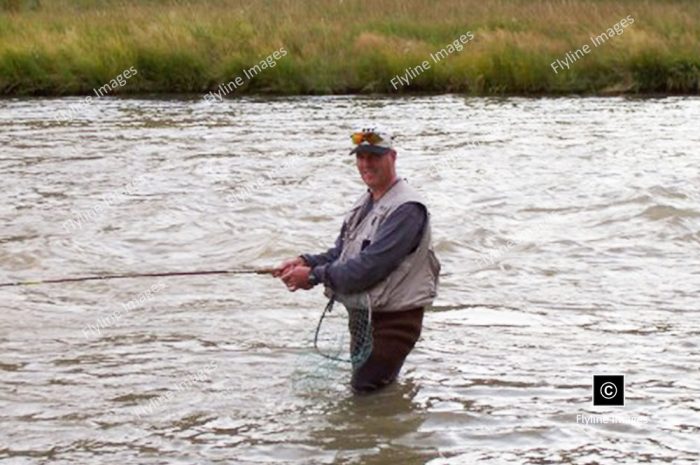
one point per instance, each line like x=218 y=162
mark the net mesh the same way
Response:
x=344 y=335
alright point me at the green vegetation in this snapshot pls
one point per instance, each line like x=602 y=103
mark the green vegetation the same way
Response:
x=63 y=47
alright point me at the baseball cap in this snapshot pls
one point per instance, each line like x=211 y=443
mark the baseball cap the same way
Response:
x=372 y=140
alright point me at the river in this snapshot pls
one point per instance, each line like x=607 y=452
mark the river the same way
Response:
x=568 y=231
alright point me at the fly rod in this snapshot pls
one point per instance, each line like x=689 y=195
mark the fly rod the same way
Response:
x=138 y=275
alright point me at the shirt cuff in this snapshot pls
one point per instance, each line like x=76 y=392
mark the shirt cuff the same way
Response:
x=319 y=273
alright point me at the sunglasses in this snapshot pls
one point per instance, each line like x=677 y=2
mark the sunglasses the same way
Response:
x=360 y=137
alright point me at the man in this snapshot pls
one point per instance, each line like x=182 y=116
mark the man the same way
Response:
x=382 y=260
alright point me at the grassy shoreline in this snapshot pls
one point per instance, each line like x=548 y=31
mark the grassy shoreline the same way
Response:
x=71 y=47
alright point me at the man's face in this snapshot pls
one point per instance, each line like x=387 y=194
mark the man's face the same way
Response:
x=377 y=171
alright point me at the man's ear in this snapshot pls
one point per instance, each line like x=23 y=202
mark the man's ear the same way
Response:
x=393 y=154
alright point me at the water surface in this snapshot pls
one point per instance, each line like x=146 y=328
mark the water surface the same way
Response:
x=568 y=230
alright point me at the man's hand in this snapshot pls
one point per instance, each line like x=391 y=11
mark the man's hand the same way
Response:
x=297 y=277
x=287 y=265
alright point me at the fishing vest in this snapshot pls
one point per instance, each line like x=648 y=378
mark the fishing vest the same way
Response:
x=414 y=282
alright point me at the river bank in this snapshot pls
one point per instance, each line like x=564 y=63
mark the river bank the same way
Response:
x=75 y=47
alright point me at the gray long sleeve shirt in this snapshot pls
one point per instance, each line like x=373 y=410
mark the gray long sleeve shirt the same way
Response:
x=397 y=237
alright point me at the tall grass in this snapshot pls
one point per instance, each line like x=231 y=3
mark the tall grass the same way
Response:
x=73 y=46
